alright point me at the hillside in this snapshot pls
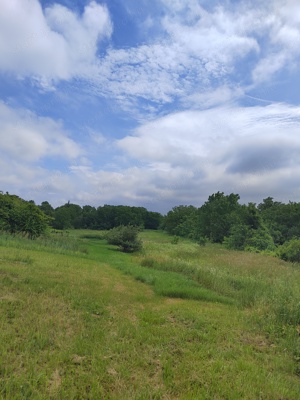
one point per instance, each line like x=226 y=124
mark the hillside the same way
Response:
x=81 y=320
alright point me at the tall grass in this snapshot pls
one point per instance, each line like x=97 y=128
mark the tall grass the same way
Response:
x=59 y=243
x=244 y=290
x=265 y=284
x=77 y=326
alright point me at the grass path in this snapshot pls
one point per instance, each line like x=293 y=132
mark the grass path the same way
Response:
x=74 y=327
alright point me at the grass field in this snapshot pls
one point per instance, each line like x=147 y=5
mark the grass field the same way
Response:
x=81 y=320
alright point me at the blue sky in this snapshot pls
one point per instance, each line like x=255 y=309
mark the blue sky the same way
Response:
x=149 y=103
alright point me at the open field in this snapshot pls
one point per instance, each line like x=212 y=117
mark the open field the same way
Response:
x=81 y=320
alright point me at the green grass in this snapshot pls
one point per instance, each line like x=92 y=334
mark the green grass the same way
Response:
x=76 y=325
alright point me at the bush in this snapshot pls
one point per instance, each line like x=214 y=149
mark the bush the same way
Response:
x=126 y=237
x=243 y=238
x=202 y=241
x=290 y=251
x=260 y=239
x=236 y=239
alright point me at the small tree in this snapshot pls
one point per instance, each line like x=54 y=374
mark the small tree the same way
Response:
x=126 y=237
x=33 y=221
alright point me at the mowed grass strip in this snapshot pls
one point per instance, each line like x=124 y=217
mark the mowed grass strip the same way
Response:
x=76 y=328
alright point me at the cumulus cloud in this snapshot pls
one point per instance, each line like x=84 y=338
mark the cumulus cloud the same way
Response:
x=25 y=136
x=201 y=59
x=26 y=143
x=245 y=150
x=282 y=49
x=50 y=44
x=184 y=157
x=269 y=154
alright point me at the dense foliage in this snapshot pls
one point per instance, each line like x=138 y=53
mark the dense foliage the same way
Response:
x=290 y=250
x=221 y=219
x=105 y=217
x=18 y=216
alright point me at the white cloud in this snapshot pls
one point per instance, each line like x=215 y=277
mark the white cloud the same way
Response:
x=282 y=50
x=196 y=49
x=187 y=57
x=53 y=44
x=200 y=133
x=201 y=56
x=245 y=150
x=200 y=50
x=29 y=138
x=215 y=38
x=182 y=159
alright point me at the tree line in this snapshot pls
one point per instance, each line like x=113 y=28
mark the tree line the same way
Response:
x=267 y=226
x=73 y=216
x=18 y=216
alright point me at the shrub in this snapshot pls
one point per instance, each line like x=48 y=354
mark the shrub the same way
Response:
x=290 y=251
x=126 y=237
x=260 y=239
x=202 y=241
x=236 y=239
x=243 y=238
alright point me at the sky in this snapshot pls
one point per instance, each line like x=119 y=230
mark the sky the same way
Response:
x=149 y=103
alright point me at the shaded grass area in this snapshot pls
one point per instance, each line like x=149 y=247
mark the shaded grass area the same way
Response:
x=73 y=327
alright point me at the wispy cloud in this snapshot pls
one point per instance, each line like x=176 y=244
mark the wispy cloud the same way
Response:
x=196 y=49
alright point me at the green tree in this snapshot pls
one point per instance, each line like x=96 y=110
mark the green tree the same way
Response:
x=216 y=216
x=18 y=216
x=237 y=238
x=47 y=208
x=248 y=231
x=179 y=221
x=109 y=217
x=33 y=221
x=152 y=220
x=89 y=217
x=282 y=220
x=67 y=216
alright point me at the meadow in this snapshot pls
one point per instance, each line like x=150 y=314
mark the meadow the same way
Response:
x=81 y=320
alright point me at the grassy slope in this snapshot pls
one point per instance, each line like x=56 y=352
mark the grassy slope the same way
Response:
x=73 y=326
